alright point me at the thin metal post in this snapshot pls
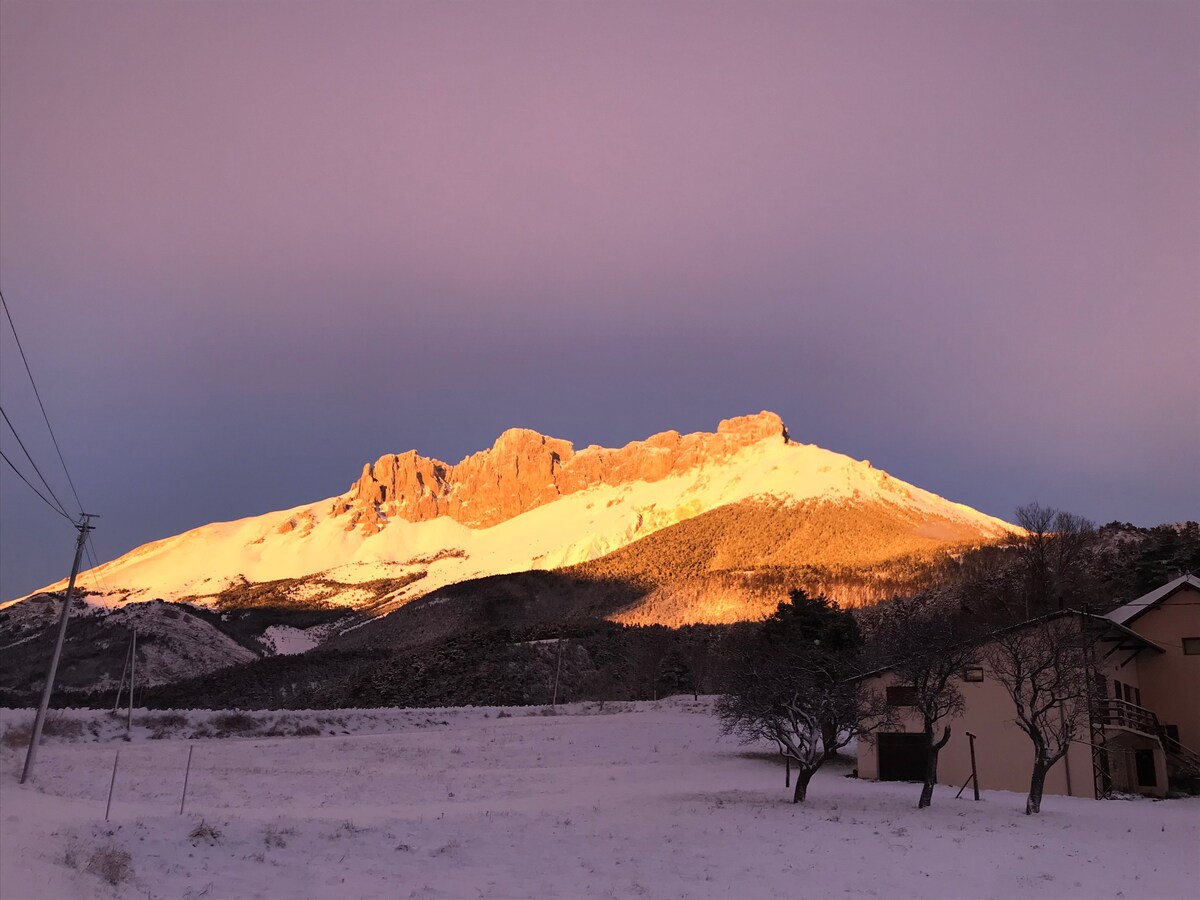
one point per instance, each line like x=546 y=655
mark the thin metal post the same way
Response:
x=974 y=773
x=970 y=780
x=39 y=720
x=132 y=681
x=111 y=784
x=186 y=772
x=121 y=685
x=557 y=672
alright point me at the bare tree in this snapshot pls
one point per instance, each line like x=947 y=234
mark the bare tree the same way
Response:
x=930 y=648
x=1044 y=667
x=698 y=653
x=794 y=685
x=649 y=650
x=1052 y=552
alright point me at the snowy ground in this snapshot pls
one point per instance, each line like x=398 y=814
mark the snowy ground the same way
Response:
x=635 y=800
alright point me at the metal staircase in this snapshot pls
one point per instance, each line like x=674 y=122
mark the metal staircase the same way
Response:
x=1111 y=713
x=1184 y=758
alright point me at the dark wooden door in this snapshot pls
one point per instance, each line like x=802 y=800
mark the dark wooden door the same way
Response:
x=901 y=757
x=1144 y=761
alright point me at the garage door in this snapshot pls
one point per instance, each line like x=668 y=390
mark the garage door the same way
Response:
x=901 y=757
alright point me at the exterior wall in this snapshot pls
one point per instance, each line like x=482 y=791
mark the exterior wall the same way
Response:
x=1121 y=747
x=1169 y=685
x=1119 y=667
x=1170 y=681
x=1003 y=752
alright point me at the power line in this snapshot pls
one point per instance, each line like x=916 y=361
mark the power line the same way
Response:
x=41 y=405
x=94 y=558
x=32 y=488
x=49 y=489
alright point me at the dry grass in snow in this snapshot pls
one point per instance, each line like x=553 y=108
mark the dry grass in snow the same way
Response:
x=642 y=800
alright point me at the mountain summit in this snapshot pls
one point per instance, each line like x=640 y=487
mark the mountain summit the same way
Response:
x=742 y=497
x=524 y=470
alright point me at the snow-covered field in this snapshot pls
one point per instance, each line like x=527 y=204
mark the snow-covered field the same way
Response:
x=632 y=800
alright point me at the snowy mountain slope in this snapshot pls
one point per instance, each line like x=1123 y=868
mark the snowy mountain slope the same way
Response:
x=343 y=549
x=174 y=642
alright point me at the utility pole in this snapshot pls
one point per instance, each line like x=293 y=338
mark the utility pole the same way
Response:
x=121 y=684
x=132 y=681
x=84 y=527
x=557 y=672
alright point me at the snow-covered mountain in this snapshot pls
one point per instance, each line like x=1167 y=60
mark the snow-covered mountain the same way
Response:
x=411 y=525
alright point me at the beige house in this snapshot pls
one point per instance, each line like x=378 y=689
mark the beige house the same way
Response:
x=1143 y=716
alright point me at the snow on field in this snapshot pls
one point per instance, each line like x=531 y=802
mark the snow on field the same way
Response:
x=625 y=801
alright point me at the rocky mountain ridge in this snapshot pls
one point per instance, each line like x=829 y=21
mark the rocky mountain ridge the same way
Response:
x=411 y=525
x=676 y=529
x=524 y=470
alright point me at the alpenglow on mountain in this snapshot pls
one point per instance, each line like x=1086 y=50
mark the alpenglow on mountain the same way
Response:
x=745 y=498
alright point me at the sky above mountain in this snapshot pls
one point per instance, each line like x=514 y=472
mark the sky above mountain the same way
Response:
x=250 y=246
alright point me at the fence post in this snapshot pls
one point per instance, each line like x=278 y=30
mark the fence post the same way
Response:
x=132 y=681
x=112 y=783
x=186 y=772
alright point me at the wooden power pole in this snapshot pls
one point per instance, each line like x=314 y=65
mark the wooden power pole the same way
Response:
x=84 y=527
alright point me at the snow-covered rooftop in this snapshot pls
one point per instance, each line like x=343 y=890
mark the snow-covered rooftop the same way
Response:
x=1123 y=615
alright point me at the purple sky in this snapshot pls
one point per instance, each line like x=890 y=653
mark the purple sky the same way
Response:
x=249 y=246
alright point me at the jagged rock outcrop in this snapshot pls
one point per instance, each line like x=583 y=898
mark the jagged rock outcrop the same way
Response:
x=524 y=470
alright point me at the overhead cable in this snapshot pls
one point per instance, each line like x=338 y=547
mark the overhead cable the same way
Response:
x=62 y=509
x=41 y=405
x=32 y=488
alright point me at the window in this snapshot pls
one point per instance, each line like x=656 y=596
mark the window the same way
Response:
x=973 y=673
x=1117 y=694
x=1137 y=696
x=1191 y=646
x=1128 y=693
x=902 y=695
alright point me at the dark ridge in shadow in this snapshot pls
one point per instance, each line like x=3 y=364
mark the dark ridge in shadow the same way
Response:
x=514 y=601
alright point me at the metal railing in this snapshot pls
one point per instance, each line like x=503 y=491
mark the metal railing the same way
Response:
x=1123 y=714
x=1184 y=756
x=1113 y=713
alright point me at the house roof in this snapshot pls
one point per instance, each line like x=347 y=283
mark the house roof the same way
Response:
x=1117 y=634
x=1123 y=615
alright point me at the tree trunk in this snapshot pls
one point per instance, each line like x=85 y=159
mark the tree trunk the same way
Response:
x=931 y=761
x=1036 y=785
x=803 y=777
x=930 y=780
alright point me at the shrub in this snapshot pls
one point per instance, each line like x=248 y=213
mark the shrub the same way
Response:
x=277 y=837
x=162 y=725
x=234 y=723
x=112 y=864
x=56 y=725
x=16 y=736
x=206 y=833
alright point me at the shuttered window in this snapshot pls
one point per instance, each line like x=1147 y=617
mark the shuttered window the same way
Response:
x=902 y=695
